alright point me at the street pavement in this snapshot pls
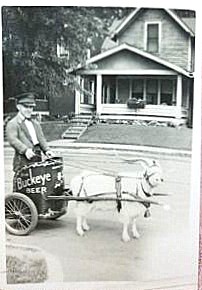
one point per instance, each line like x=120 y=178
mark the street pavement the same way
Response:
x=164 y=257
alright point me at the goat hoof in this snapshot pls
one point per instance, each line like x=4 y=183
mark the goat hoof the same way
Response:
x=86 y=228
x=136 y=236
x=126 y=239
x=80 y=233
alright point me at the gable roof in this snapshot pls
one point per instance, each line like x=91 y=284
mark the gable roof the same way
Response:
x=190 y=22
x=135 y=50
x=134 y=13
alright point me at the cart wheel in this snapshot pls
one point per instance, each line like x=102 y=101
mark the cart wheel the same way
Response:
x=20 y=214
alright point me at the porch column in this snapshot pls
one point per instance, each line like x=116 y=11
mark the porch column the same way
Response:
x=188 y=93
x=144 y=90
x=93 y=93
x=117 y=92
x=77 y=97
x=108 y=93
x=130 y=88
x=159 y=93
x=179 y=96
x=82 y=87
x=99 y=94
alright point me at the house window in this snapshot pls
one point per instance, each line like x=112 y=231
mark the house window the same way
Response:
x=152 y=41
x=152 y=92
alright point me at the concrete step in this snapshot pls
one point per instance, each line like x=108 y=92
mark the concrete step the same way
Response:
x=72 y=133
x=75 y=129
x=80 y=121
x=78 y=126
x=69 y=136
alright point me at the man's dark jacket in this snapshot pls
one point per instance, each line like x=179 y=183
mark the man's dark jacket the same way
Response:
x=20 y=139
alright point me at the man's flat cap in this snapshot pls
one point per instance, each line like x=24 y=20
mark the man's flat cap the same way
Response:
x=26 y=98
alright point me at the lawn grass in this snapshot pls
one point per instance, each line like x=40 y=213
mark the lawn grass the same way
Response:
x=160 y=136
x=25 y=265
x=125 y=134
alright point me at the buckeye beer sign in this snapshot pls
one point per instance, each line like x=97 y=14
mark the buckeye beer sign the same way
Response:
x=40 y=178
x=33 y=184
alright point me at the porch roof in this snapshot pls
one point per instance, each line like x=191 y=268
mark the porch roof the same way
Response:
x=134 y=50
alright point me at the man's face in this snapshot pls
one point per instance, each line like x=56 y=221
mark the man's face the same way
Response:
x=25 y=109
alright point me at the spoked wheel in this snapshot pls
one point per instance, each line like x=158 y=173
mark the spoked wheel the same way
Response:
x=20 y=214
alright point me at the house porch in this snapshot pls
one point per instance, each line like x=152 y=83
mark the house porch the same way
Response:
x=113 y=77
x=166 y=97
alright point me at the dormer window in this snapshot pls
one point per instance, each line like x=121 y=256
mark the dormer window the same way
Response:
x=152 y=37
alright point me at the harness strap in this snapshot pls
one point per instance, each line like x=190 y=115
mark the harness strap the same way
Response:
x=146 y=176
x=146 y=193
x=146 y=204
x=118 y=192
x=84 y=190
x=81 y=187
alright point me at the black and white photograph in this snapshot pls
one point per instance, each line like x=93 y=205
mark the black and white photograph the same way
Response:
x=101 y=159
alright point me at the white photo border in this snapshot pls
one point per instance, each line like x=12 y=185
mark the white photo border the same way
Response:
x=196 y=149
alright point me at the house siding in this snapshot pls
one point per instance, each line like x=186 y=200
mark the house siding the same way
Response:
x=174 y=40
x=127 y=60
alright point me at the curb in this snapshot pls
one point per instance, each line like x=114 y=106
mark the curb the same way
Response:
x=64 y=144
x=129 y=148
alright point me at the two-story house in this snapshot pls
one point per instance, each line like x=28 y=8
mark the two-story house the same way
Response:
x=148 y=55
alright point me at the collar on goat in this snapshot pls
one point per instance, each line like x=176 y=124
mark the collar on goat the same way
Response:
x=147 y=176
x=146 y=193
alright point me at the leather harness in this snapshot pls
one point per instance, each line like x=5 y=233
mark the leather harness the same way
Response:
x=119 y=192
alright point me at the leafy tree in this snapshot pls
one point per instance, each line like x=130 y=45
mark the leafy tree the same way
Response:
x=30 y=35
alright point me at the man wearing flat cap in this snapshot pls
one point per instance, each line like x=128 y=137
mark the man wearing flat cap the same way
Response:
x=25 y=134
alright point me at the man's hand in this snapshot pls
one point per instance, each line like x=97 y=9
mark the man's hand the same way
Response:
x=50 y=154
x=29 y=153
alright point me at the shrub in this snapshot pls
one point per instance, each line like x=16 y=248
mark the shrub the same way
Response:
x=136 y=103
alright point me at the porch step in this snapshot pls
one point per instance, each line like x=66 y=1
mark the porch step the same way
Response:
x=78 y=126
x=79 y=123
x=81 y=120
x=68 y=135
x=74 y=128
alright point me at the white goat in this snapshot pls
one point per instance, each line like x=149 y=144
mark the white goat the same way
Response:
x=125 y=185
